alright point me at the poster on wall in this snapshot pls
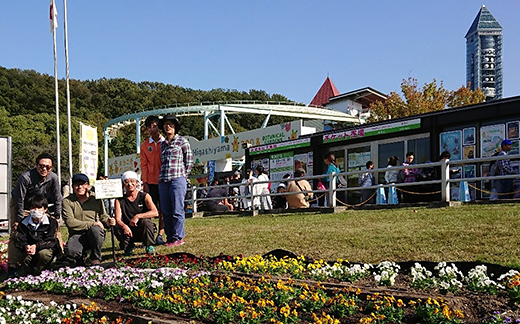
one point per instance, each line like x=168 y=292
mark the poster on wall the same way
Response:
x=470 y=171
x=301 y=161
x=515 y=148
x=513 y=130
x=469 y=152
x=357 y=160
x=281 y=164
x=469 y=136
x=490 y=138
x=451 y=142
x=310 y=163
x=263 y=162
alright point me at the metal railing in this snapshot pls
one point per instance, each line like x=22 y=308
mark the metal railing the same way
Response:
x=442 y=166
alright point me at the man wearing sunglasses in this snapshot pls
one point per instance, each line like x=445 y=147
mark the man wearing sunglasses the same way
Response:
x=39 y=180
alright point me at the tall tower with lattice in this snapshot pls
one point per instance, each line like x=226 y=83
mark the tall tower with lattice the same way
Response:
x=484 y=55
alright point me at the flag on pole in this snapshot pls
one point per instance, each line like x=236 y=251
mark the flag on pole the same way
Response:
x=53 y=15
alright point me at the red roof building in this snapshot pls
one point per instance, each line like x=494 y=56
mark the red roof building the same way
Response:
x=327 y=90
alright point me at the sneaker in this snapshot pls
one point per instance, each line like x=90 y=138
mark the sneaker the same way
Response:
x=12 y=272
x=129 y=251
x=159 y=240
x=81 y=261
x=95 y=262
x=178 y=242
x=150 y=250
x=169 y=244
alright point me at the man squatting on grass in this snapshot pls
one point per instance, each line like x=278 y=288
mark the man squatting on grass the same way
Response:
x=38 y=180
x=133 y=213
x=150 y=167
x=86 y=221
x=176 y=164
x=36 y=236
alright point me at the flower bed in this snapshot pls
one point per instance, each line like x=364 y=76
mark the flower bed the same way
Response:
x=18 y=310
x=288 y=290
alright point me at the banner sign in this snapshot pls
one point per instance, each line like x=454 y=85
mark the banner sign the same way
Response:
x=88 y=151
x=372 y=131
x=275 y=147
x=232 y=145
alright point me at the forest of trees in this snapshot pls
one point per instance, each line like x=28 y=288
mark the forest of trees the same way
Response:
x=27 y=112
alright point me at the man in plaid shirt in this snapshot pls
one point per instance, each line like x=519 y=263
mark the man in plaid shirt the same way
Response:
x=176 y=164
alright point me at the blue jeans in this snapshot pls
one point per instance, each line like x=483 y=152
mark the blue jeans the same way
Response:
x=172 y=195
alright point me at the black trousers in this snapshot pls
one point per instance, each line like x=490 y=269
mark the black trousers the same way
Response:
x=144 y=232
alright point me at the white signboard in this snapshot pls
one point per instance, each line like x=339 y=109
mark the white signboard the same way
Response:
x=231 y=146
x=88 y=151
x=5 y=176
x=107 y=189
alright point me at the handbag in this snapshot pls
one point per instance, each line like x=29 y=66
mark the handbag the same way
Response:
x=307 y=198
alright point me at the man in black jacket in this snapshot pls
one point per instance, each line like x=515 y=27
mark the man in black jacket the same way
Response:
x=36 y=236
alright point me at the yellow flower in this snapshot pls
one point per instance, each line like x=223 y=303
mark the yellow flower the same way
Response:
x=446 y=312
x=458 y=314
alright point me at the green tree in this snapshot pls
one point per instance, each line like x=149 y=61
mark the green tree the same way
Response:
x=419 y=100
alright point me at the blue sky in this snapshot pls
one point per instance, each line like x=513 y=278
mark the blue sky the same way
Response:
x=287 y=47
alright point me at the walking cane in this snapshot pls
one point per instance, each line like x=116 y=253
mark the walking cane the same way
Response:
x=112 y=230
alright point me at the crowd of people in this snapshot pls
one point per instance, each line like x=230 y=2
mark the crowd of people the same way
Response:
x=38 y=206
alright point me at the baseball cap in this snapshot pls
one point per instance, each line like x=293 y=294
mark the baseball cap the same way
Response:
x=506 y=142
x=79 y=177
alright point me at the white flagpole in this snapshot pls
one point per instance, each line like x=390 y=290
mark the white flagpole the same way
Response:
x=68 y=88
x=54 y=24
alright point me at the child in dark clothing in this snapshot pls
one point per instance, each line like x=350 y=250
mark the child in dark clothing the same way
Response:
x=36 y=236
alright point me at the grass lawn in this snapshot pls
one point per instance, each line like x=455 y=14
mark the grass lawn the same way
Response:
x=483 y=233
